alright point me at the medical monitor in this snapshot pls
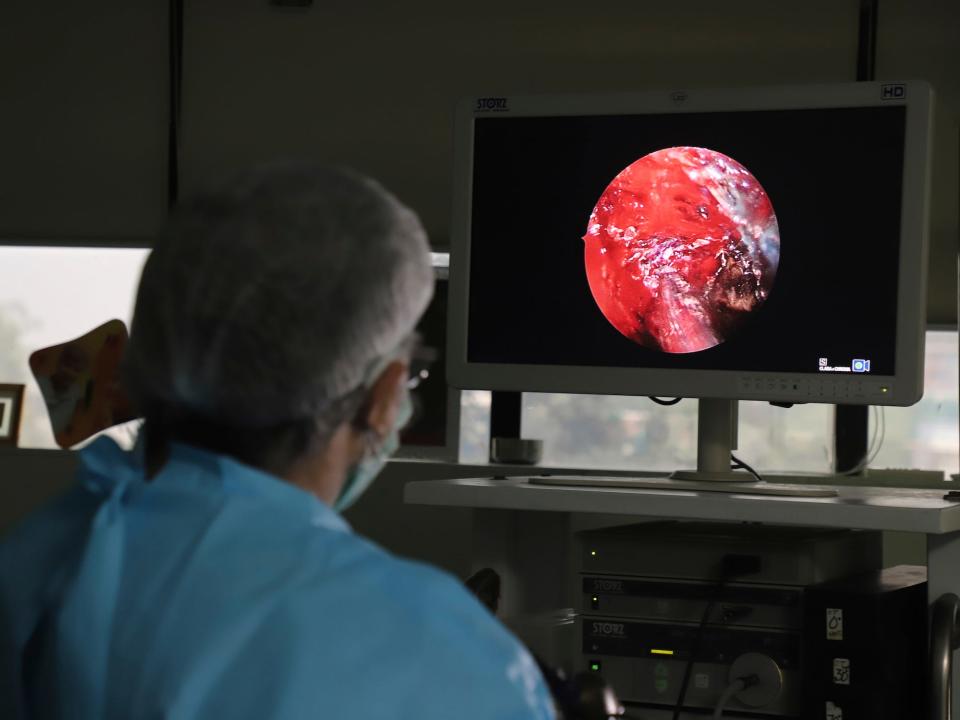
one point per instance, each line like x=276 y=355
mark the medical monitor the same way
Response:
x=756 y=244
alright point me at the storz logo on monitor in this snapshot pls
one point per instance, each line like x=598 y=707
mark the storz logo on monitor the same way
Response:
x=893 y=91
x=491 y=104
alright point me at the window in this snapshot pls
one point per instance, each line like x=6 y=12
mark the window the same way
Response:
x=596 y=431
x=633 y=433
x=49 y=295
x=926 y=436
x=474 y=426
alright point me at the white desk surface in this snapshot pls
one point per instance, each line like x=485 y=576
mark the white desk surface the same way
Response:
x=865 y=508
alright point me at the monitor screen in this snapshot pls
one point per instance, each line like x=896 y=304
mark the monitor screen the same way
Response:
x=760 y=252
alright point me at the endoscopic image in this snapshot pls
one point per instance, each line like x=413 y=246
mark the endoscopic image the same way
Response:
x=681 y=248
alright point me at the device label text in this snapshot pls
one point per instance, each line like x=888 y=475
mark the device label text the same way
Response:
x=491 y=104
x=834 y=623
x=893 y=91
x=608 y=628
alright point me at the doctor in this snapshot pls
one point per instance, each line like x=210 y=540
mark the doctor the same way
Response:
x=208 y=573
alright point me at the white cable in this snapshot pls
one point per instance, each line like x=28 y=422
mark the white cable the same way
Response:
x=733 y=688
x=872 y=446
x=883 y=433
x=877 y=436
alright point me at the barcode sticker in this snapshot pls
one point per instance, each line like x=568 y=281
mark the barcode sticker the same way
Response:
x=834 y=624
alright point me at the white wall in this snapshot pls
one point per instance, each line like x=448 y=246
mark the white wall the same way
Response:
x=373 y=84
x=83 y=119
x=83 y=88
x=921 y=39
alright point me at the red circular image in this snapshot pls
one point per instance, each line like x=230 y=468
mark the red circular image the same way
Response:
x=681 y=247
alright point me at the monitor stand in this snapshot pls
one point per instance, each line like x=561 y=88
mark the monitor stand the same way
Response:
x=716 y=441
x=716 y=430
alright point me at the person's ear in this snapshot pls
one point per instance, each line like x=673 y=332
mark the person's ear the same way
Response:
x=383 y=402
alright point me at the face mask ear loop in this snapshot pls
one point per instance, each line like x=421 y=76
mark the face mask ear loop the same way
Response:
x=372 y=443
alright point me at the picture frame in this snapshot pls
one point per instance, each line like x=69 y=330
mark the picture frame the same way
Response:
x=80 y=383
x=11 y=411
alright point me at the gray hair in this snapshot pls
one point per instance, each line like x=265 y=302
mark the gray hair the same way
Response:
x=269 y=300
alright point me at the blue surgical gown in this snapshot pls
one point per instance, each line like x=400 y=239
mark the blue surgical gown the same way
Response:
x=218 y=591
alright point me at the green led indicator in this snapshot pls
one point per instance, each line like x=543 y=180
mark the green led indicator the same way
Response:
x=593 y=553
x=595 y=667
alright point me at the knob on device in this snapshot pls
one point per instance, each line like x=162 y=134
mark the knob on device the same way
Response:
x=769 y=679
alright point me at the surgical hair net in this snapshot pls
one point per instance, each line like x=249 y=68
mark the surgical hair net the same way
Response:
x=270 y=299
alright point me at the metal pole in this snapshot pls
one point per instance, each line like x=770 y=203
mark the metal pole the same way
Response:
x=851 y=422
x=175 y=47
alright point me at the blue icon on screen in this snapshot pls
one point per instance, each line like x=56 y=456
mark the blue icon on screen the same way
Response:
x=861 y=366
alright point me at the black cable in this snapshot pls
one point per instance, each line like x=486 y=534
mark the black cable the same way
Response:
x=661 y=401
x=731 y=566
x=695 y=648
x=739 y=464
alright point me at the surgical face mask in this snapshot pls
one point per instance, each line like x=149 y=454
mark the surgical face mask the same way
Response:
x=363 y=473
